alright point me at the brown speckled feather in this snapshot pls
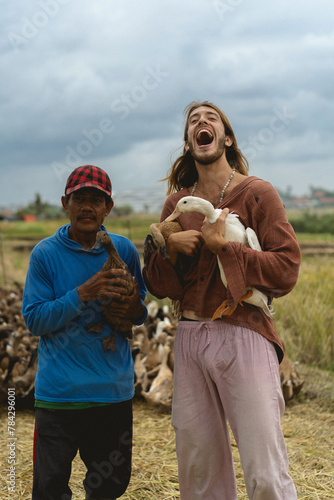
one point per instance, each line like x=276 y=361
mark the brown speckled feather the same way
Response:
x=121 y=325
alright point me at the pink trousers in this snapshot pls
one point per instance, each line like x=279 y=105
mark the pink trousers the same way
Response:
x=228 y=373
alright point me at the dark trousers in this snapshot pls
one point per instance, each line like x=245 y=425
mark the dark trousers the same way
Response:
x=103 y=436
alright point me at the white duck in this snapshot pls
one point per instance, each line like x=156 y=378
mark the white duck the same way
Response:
x=161 y=390
x=234 y=231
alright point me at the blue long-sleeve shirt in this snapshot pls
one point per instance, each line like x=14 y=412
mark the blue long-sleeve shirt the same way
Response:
x=72 y=365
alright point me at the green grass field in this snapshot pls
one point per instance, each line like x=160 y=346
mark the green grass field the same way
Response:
x=134 y=227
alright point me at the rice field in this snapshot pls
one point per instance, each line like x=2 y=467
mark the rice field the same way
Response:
x=304 y=318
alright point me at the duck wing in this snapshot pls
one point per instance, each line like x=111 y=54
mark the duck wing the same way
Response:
x=234 y=229
x=252 y=239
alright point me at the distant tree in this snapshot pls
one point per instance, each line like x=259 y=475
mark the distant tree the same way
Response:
x=38 y=206
x=287 y=194
x=313 y=223
x=123 y=210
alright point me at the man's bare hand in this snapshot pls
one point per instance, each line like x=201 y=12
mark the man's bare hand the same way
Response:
x=104 y=284
x=186 y=242
x=128 y=306
x=213 y=234
x=110 y=286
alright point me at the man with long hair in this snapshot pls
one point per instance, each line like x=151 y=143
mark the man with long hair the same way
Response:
x=225 y=370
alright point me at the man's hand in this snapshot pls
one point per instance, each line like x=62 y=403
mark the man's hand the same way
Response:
x=186 y=242
x=104 y=284
x=128 y=306
x=213 y=234
x=109 y=285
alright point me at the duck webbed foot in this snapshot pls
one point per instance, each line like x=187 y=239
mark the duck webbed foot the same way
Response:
x=150 y=247
x=225 y=310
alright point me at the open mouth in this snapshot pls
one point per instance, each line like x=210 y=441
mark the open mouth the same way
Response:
x=204 y=137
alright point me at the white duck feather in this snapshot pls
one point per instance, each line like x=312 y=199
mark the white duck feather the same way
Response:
x=234 y=231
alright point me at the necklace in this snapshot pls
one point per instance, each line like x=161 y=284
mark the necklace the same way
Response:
x=223 y=190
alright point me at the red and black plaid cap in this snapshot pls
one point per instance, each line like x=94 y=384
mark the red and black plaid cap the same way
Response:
x=88 y=176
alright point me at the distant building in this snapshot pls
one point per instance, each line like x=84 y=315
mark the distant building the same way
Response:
x=319 y=194
x=29 y=218
x=302 y=202
x=7 y=215
x=327 y=201
x=318 y=198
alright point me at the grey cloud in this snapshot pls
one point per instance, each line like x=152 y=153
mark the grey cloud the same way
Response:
x=83 y=84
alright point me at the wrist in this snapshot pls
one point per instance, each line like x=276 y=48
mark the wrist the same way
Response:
x=216 y=245
x=81 y=292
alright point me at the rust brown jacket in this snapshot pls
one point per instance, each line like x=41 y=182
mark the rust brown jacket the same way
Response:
x=274 y=271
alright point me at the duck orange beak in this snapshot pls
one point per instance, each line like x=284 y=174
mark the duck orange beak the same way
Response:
x=174 y=215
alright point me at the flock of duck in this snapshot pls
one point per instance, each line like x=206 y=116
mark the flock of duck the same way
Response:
x=152 y=349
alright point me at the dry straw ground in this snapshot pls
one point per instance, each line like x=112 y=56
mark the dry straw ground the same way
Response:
x=308 y=426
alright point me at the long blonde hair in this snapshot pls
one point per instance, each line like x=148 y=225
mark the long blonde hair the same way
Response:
x=183 y=172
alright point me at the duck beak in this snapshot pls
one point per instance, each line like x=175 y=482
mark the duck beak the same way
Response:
x=174 y=215
x=96 y=245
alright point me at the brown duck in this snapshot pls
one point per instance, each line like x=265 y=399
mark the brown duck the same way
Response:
x=158 y=238
x=121 y=325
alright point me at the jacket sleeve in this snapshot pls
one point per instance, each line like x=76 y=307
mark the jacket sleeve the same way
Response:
x=275 y=270
x=161 y=277
x=42 y=311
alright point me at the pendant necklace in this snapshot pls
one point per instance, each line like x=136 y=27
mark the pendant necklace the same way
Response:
x=223 y=190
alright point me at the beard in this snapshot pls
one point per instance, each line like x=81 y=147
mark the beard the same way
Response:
x=205 y=158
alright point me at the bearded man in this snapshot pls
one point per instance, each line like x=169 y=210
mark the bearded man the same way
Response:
x=225 y=370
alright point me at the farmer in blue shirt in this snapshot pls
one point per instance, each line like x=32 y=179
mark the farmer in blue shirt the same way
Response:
x=83 y=395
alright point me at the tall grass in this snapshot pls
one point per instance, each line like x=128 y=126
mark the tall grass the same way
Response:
x=304 y=318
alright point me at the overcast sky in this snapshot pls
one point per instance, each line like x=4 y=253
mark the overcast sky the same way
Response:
x=106 y=83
